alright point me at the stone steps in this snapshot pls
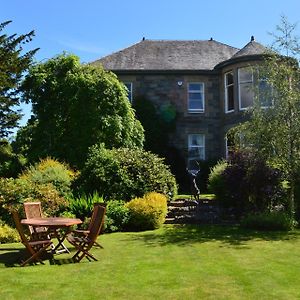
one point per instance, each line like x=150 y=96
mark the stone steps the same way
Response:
x=186 y=211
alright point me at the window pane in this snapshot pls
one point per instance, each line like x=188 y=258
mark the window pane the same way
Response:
x=196 y=104
x=229 y=78
x=129 y=88
x=195 y=87
x=196 y=150
x=265 y=93
x=245 y=75
x=195 y=96
x=246 y=95
x=230 y=99
x=196 y=140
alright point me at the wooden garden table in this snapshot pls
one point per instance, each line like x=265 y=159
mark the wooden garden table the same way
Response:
x=54 y=224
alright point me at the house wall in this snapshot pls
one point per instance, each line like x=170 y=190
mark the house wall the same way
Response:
x=164 y=89
x=214 y=122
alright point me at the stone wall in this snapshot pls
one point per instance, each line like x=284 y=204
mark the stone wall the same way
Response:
x=167 y=89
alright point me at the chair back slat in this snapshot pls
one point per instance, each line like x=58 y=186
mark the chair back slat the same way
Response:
x=33 y=210
x=96 y=222
x=94 y=214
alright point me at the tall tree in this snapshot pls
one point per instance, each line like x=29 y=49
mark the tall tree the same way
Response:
x=12 y=66
x=76 y=106
x=274 y=130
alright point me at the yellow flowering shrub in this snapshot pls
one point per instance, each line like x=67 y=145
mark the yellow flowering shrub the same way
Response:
x=148 y=212
x=52 y=171
x=8 y=234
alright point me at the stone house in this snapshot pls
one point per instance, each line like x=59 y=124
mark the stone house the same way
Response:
x=207 y=82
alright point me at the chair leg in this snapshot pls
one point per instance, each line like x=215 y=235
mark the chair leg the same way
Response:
x=35 y=256
x=98 y=245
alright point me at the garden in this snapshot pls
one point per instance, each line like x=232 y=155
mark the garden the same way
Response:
x=85 y=145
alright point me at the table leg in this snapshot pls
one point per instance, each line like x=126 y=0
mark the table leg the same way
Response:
x=60 y=247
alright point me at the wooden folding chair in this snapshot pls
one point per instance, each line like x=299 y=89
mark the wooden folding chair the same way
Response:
x=35 y=248
x=85 y=232
x=84 y=243
x=34 y=210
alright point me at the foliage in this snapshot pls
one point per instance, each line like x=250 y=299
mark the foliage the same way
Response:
x=82 y=206
x=246 y=183
x=10 y=163
x=52 y=171
x=125 y=173
x=117 y=216
x=203 y=176
x=14 y=192
x=275 y=220
x=13 y=65
x=148 y=212
x=8 y=234
x=74 y=107
x=216 y=182
x=274 y=131
x=157 y=122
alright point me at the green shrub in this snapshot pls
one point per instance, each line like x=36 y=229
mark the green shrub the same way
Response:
x=269 y=221
x=83 y=205
x=14 y=192
x=51 y=171
x=8 y=234
x=117 y=216
x=216 y=182
x=125 y=174
x=147 y=213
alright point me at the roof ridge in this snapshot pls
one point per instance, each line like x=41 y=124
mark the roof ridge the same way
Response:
x=194 y=40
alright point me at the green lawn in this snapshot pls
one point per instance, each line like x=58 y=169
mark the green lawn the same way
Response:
x=175 y=262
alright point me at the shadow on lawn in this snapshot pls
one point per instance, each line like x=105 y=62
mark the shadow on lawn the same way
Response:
x=230 y=235
x=11 y=256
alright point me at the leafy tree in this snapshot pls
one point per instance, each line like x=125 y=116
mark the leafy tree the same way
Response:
x=12 y=66
x=74 y=107
x=274 y=131
x=10 y=163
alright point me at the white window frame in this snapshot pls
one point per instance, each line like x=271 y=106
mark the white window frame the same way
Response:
x=129 y=87
x=244 y=82
x=193 y=146
x=201 y=91
x=227 y=86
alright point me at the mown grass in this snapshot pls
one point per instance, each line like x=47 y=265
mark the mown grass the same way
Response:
x=175 y=262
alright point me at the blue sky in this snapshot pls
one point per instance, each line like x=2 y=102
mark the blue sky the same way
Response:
x=94 y=28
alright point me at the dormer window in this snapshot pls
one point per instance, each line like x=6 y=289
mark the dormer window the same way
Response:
x=229 y=92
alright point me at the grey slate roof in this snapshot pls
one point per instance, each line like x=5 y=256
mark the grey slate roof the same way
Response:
x=252 y=48
x=169 y=55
